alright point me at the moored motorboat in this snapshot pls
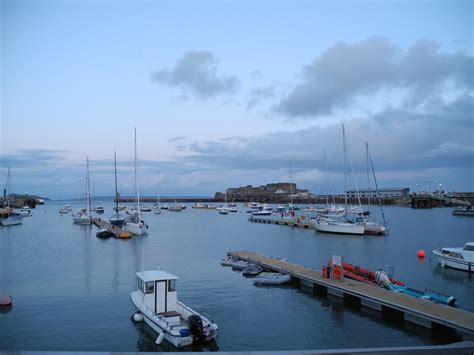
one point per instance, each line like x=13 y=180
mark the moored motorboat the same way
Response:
x=25 y=211
x=457 y=258
x=99 y=210
x=271 y=278
x=464 y=211
x=175 y=322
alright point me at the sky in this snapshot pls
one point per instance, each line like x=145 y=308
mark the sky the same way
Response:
x=228 y=93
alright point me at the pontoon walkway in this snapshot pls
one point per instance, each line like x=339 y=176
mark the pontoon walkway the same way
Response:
x=424 y=313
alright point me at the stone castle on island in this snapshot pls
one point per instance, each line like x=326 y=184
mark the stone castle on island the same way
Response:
x=275 y=192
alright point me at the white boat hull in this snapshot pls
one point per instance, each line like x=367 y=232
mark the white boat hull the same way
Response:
x=12 y=221
x=340 y=228
x=170 y=331
x=452 y=262
x=80 y=220
x=136 y=229
x=271 y=278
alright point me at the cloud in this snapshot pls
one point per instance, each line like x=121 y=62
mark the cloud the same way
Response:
x=257 y=95
x=32 y=157
x=196 y=73
x=345 y=72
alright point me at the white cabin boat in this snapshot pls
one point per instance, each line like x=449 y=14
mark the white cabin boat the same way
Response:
x=25 y=211
x=271 y=278
x=457 y=258
x=157 y=304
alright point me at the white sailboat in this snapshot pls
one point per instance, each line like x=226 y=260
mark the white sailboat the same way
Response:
x=135 y=224
x=117 y=219
x=371 y=227
x=8 y=217
x=331 y=225
x=84 y=216
x=225 y=209
x=156 y=207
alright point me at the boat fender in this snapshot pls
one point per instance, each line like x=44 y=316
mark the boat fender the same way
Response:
x=451 y=301
x=160 y=338
x=137 y=317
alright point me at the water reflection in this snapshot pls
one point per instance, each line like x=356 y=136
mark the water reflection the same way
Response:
x=87 y=259
x=116 y=272
x=147 y=337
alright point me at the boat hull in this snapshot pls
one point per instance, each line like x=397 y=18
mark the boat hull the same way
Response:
x=136 y=229
x=454 y=263
x=83 y=221
x=340 y=228
x=12 y=221
x=171 y=331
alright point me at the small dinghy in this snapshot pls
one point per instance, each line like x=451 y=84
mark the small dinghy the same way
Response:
x=175 y=322
x=252 y=270
x=271 y=278
x=236 y=264
x=104 y=234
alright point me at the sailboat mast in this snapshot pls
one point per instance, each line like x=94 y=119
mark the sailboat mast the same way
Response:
x=345 y=177
x=8 y=189
x=326 y=178
x=368 y=179
x=116 y=191
x=88 y=189
x=291 y=188
x=136 y=178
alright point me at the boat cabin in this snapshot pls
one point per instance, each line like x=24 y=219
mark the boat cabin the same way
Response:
x=159 y=293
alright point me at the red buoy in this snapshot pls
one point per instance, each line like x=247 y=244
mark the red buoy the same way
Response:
x=6 y=300
x=421 y=253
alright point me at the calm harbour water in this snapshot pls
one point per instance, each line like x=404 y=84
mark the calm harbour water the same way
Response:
x=71 y=290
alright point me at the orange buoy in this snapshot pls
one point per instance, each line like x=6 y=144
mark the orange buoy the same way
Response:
x=421 y=253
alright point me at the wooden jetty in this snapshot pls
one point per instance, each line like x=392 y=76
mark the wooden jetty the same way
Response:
x=424 y=313
x=293 y=222
x=118 y=232
x=305 y=223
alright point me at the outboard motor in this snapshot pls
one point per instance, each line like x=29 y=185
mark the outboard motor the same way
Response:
x=196 y=328
x=382 y=279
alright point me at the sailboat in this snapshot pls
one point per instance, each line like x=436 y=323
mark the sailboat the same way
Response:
x=135 y=224
x=84 y=216
x=156 y=207
x=371 y=227
x=332 y=225
x=7 y=216
x=117 y=220
x=224 y=209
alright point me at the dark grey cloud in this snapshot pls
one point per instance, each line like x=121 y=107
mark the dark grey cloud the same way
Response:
x=405 y=144
x=196 y=73
x=345 y=72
